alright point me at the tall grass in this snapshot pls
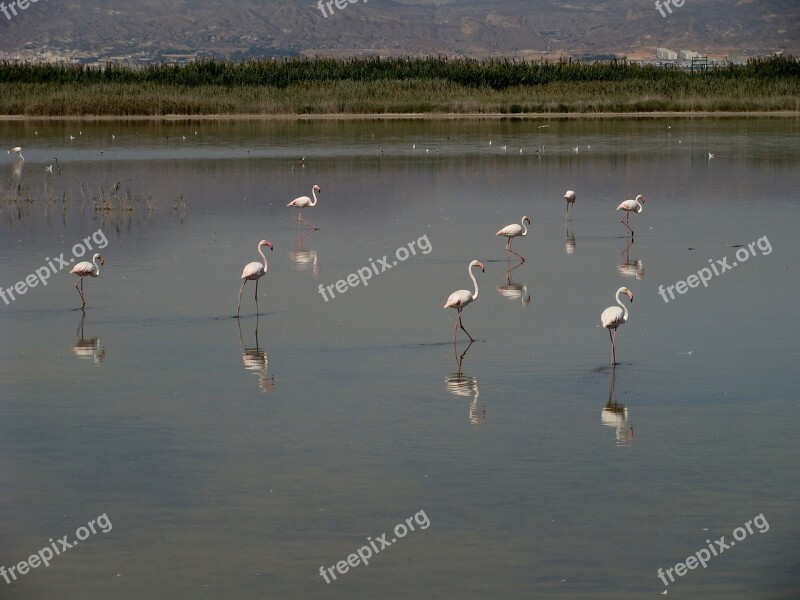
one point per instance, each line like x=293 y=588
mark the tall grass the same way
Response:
x=373 y=85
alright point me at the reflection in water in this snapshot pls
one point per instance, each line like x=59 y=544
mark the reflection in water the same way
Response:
x=616 y=415
x=304 y=259
x=465 y=386
x=630 y=268
x=16 y=172
x=257 y=361
x=87 y=348
x=514 y=291
x=569 y=242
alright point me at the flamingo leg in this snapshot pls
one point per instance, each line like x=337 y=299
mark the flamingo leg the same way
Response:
x=455 y=328
x=80 y=291
x=624 y=221
x=256 y=296
x=471 y=339
x=241 y=289
x=508 y=247
x=300 y=219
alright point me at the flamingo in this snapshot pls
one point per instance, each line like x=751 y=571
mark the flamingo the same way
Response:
x=630 y=206
x=514 y=230
x=461 y=298
x=569 y=196
x=613 y=317
x=253 y=272
x=304 y=201
x=84 y=269
x=18 y=151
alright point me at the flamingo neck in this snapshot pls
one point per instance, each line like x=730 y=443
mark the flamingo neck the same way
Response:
x=624 y=309
x=475 y=283
x=266 y=266
x=524 y=228
x=313 y=193
x=96 y=266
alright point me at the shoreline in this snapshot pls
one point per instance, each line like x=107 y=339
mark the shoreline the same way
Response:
x=408 y=116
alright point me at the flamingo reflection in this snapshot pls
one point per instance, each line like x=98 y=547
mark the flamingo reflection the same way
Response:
x=514 y=291
x=303 y=259
x=465 y=386
x=569 y=241
x=616 y=415
x=630 y=268
x=256 y=360
x=87 y=348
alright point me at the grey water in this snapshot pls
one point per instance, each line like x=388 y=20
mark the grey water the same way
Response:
x=235 y=458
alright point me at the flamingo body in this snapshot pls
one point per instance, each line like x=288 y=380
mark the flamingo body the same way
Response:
x=461 y=298
x=305 y=202
x=613 y=317
x=86 y=269
x=629 y=206
x=515 y=230
x=253 y=272
x=569 y=196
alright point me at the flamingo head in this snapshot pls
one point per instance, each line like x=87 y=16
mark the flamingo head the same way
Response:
x=527 y=219
x=265 y=243
x=477 y=263
x=640 y=199
x=627 y=292
x=100 y=258
x=317 y=189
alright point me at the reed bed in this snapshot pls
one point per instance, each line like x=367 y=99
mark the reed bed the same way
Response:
x=375 y=86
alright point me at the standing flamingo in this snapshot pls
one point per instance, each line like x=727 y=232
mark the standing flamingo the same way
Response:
x=18 y=151
x=83 y=269
x=253 y=272
x=304 y=201
x=514 y=230
x=630 y=206
x=461 y=298
x=613 y=317
x=569 y=196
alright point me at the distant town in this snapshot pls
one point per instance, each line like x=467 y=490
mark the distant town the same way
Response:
x=680 y=59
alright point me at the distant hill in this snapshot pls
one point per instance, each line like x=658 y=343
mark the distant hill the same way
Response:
x=478 y=28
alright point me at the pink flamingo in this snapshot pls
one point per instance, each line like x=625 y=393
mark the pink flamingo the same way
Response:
x=569 y=196
x=253 y=272
x=462 y=298
x=613 y=317
x=512 y=231
x=630 y=206
x=86 y=269
x=304 y=201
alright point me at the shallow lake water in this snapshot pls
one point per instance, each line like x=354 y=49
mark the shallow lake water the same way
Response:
x=234 y=458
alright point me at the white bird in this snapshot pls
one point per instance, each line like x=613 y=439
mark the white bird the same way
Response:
x=303 y=202
x=86 y=269
x=613 y=317
x=490 y=142
x=413 y=146
x=710 y=156
x=569 y=196
x=253 y=272
x=543 y=126
x=629 y=206
x=49 y=169
x=462 y=298
x=504 y=147
x=575 y=149
x=515 y=230
x=18 y=151
x=72 y=137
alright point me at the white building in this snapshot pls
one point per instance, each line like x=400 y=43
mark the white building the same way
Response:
x=666 y=54
x=687 y=54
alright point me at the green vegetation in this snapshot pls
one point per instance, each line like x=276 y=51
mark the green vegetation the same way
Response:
x=375 y=86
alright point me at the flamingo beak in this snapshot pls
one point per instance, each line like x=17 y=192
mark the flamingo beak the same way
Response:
x=483 y=269
x=270 y=245
x=630 y=296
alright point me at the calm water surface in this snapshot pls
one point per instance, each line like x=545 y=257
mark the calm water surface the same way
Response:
x=236 y=457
